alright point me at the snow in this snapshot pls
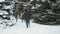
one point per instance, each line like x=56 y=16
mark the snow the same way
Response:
x=7 y=7
x=3 y=12
x=20 y=28
x=31 y=0
x=2 y=0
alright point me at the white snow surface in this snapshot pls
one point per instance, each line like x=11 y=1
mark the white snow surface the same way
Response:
x=20 y=28
x=2 y=0
x=3 y=12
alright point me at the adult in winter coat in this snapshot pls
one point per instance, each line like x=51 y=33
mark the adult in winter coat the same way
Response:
x=27 y=17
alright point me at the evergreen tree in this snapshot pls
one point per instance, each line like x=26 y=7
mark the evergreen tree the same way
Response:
x=6 y=11
x=47 y=13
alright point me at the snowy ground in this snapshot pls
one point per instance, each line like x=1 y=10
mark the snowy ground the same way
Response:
x=20 y=28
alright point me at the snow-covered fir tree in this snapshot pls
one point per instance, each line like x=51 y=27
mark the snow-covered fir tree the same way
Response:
x=6 y=12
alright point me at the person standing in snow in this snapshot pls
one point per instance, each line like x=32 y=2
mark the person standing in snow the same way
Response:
x=27 y=16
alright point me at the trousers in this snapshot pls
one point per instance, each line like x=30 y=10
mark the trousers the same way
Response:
x=27 y=23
